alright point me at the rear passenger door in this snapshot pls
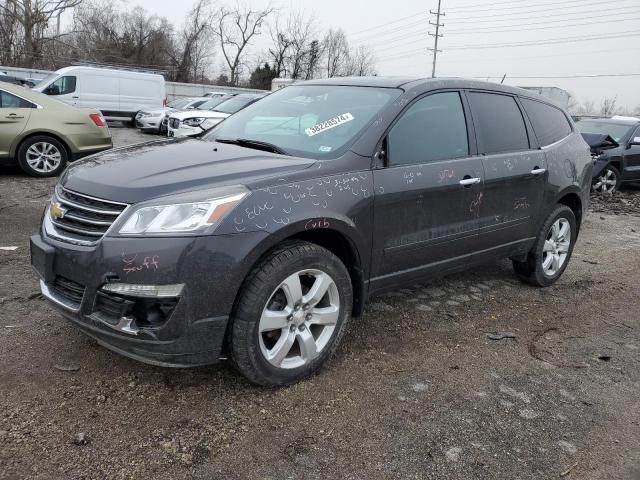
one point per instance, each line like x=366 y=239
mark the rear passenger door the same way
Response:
x=427 y=194
x=515 y=170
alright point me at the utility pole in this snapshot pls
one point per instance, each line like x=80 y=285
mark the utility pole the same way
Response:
x=435 y=36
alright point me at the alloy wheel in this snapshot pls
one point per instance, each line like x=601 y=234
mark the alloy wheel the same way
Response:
x=606 y=182
x=299 y=319
x=43 y=157
x=556 y=247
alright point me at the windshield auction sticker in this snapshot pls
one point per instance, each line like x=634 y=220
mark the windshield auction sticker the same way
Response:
x=329 y=124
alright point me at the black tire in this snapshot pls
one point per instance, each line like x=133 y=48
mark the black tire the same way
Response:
x=614 y=175
x=531 y=270
x=259 y=288
x=42 y=139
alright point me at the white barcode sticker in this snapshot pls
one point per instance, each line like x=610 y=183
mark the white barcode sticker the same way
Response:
x=329 y=124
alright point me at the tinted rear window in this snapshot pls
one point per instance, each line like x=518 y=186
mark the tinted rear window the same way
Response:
x=549 y=123
x=498 y=122
x=11 y=101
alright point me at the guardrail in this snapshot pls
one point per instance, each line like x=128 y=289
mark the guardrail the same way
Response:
x=173 y=89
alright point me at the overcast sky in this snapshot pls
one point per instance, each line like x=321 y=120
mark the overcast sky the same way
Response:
x=397 y=30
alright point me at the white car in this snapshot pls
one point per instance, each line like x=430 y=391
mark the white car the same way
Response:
x=194 y=122
x=156 y=120
x=215 y=94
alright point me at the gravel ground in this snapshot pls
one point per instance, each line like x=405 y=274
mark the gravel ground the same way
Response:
x=472 y=376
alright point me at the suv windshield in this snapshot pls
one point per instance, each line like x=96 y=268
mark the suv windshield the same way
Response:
x=179 y=103
x=214 y=102
x=307 y=120
x=233 y=105
x=615 y=130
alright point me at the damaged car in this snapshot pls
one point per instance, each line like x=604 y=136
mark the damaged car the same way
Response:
x=615 y=149
x=261 y=240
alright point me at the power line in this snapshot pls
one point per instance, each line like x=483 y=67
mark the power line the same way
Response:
x=627 y=33
x=528 y=12
x=512 y=7
x=551 y=77
x=353 y=34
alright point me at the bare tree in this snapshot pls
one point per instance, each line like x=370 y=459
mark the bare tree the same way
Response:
x=302 y=31
x=608 y=106
x=587 y=107
x=197 y=29
x=33 y=17
x=336 y=50
x=360 y=62
x=235 y=29
x=572 y=103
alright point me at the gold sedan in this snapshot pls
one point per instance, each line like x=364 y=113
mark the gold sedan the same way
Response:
x=42 y=134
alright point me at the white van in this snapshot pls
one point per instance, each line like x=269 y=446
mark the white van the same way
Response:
x=118 y=94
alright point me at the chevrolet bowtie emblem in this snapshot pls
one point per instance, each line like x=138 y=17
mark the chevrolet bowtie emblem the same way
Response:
x=57 y=211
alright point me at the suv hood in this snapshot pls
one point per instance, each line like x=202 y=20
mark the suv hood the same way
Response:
x=181 y=115
x=163 y=167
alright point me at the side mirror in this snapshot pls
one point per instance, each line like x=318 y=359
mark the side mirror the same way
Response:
x=52 y=90
x=634 y=141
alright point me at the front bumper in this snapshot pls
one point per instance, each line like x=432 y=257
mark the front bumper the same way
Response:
x=183 y=131
x=71 y=277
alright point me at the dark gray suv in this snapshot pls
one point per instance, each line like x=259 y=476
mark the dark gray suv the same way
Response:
x=262 y=239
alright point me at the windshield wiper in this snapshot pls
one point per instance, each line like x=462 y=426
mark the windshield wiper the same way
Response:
x=256 y=144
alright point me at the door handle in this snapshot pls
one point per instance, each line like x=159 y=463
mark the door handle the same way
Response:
x=13 y=115
x=538 y=171
x=75 y=97
x=468 y=181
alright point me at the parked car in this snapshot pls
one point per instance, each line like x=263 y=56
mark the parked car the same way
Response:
x=215 y=94
x=118 y=94
x=195 y=122
x=261 y=243
x=24 y=82
x=615 y=148
x=154 y=120
x=41 y=134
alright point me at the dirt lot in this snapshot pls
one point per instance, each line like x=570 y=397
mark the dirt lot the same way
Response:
x=420 y=388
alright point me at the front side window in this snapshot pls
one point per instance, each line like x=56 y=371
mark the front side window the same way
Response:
x=62 y=86
x=313 y=121
x=549 y=123
x=8 y=100
x=432 y=129
x=498 y=122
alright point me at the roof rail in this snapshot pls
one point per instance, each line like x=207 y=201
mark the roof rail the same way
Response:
x=130 y=68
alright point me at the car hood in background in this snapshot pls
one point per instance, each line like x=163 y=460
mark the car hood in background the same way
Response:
x=162 y=167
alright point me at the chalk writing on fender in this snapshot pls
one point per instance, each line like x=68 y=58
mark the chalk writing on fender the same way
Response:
x=148 y=263
x=317 y=223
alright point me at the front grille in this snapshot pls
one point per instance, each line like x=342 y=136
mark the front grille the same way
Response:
x=70 y=290
x=165 y=121
x=84 y=219
x=174 y=123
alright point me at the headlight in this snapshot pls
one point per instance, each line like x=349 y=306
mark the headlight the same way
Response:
x=193 y=122
x=193 y=213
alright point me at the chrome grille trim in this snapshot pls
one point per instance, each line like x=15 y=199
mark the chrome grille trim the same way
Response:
x=86 y=220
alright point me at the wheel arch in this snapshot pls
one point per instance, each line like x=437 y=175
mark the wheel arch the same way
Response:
x=335 y=239
x=574 y=202
x=38 y=133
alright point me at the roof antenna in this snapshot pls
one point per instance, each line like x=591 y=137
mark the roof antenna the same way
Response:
x=503 y=77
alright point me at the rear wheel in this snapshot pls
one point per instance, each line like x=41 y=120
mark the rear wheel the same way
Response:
x=608 y=181
x=552 y=249
x=291 y=314
x=42 y=156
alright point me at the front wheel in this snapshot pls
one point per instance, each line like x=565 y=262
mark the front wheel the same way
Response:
x=608 y=181
x=552 y=249
x=291 y=314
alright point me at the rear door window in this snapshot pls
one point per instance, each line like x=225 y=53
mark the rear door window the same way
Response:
x=549 y=123
x=498 y=122
x=8 y=100
x=432 y=129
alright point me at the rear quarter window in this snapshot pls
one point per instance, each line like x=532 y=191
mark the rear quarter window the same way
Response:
x=549 y=123
x=498 y=122
x=8 y=100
